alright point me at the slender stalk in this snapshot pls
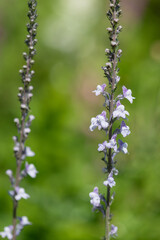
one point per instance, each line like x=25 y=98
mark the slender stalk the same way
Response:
x=111 y=106
x=104 y=121
x=24 y=98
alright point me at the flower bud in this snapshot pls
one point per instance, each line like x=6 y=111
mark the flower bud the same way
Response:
x=30 y=95
x=119 y=51
x=16 y=120
x=107 y=51
x=31 y=118
x=9 y=173
x=20 y=89
x=31 y=47
x=111 y=5
x=23 y=107
x=109 y=29
x=119 y=28
x=24 y=67
x=32 y=72
x=27 y=79
x=109 y=65
x=116 y=20
x=32 y=61
x=113 y=44
x=30 y=88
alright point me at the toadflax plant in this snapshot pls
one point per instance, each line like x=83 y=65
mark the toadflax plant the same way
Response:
x=21 y=151
x=115 y=113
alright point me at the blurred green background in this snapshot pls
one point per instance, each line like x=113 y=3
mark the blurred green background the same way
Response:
x=70 y=52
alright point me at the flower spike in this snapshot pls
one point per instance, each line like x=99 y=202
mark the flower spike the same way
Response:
x=115 y=112
x=21 y=151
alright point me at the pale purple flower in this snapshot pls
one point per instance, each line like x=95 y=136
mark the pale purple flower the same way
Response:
x=94 y=124
x=19 y=228
x=115 y=171
x=112 y=143
x=31 y=117
x=120 y=111
x=108 y=65
x=9 y=173
x=20 y=193
x=127 y=93
x=117 y=79
x=29 y=152
x=102 y=147
x=110 y=181
x=7 y=232
x=100 y=89
x=95 y=198
x=124 y=129
x=103 y=121
x=23 y=222
x=123 y=146
x=113 y=232
x=31 y=170
x=27 y=130
x=16 y=120
x=99 y=121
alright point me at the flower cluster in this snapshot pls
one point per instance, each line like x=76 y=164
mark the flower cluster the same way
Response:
x=21 y=151
x=105 y=121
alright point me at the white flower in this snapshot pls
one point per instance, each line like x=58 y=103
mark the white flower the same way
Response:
x=124 y=129
x=99 y=121
x=117 y=79
x=27 y=130
x=113 y=232
x=110 y=181
x=29 y=152
x=31 y=117
x=7 y=232
x=114 y=171
x=31 y=170
x=102 y=147
x=20 y=193
x=108 y=64
x=112 y=143
x=99 y=90
x=24 y=221
x=94 y=124
x=127 y=93
x=9 y=173
x=95 y=198
x=120 y=111
x=123 y=146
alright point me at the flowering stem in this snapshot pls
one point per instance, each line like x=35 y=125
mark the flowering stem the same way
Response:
x=111 y=104
x=116 y=111
x=24 y=98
